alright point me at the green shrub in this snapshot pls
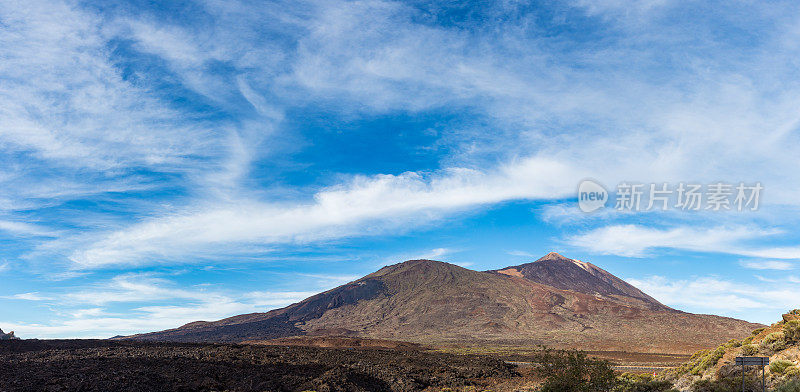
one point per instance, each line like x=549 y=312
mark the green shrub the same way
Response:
x=631 y=382
x=733 y=343
x=779 y=366
x=791 y=331
x=789 y=386
x=758 y=331
x=748 y=340
x=773 y=337
x=573 y=371
x=708 y=360
x=731 y=384
x=775 y=341
x=690 y=364
x=749 y=350
x=792 y=372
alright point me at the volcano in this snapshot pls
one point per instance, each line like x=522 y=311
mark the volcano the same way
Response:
x=554 y=301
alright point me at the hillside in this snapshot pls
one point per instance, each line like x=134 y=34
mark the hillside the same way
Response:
x=567 y=274
x=715 y=369
x=432 y=302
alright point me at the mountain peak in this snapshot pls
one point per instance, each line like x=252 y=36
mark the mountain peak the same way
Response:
x=553 y=256
x=416 y=264
x=422 y=262
x=418 y=267
x=567 y=274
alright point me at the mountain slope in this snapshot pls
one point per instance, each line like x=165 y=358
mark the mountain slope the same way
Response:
x=433 y=302
x=567 y=274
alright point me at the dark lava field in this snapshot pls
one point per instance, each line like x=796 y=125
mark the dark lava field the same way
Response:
x=103 y=365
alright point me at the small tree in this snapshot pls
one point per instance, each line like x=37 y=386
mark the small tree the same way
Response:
x=573 y=371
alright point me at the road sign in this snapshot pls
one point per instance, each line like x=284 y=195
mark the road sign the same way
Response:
x=752 y=361
x=761 y=362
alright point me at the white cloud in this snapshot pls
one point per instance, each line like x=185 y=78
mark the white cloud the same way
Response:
x=788 y=252
x=521 y=253
x=134 y=287
x=365 y=204
x=337 y=279
x=25 y=229
x=198 y=303
x=63 y=98
x=88 y=312
x=28 y=297
x=713 y=294
x=434 y=254
x=779 y=265
x=639 y=241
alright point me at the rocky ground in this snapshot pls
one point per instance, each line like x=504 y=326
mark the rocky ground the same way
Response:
x=96 y=365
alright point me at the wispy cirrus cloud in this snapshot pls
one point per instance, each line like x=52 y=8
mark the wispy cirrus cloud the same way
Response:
x=64 y=99
x=778 y=265
x=385 y=201
x=28 y=297
x=26 y=229
x=639 y=241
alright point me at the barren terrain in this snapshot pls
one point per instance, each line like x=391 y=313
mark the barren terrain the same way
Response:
x=95 y=365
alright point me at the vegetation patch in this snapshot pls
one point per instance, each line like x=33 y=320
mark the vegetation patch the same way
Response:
x=749 y=350
x=790 y=386
x=779 y=366
x=774 y=342
x=791 y=331
x=573 y=371
x=632 y=382
x=705 y=359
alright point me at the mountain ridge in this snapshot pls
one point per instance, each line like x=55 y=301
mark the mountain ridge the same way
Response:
x=433 y=302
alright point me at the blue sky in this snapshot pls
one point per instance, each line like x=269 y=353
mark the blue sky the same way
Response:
x=195 y=160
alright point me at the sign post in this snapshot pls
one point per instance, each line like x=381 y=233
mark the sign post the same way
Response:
x=763 y=362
